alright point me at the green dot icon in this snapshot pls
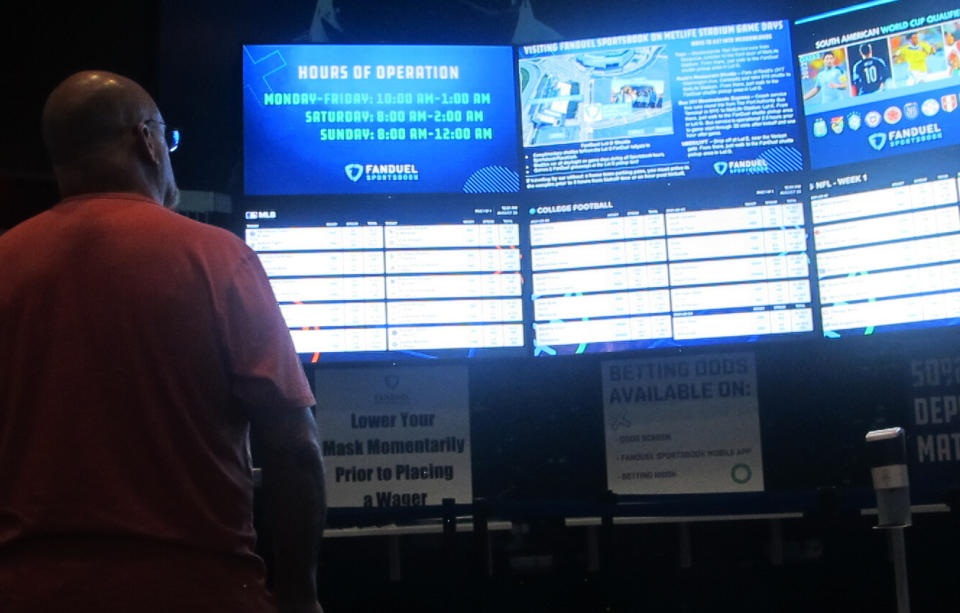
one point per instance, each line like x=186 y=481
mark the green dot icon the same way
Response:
x=741 y=473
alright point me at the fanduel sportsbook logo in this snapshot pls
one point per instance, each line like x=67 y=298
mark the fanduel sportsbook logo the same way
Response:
x=741 y=167
x=382 y=172
x=877 y=140
x=354 y=171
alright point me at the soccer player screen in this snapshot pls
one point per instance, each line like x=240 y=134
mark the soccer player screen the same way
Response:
x=879 y=81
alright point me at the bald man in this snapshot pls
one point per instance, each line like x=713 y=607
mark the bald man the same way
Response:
x=138 y=349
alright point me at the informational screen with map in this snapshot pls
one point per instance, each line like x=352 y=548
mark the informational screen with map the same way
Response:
x=698 y=102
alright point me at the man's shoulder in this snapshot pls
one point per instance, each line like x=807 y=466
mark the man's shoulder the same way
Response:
x=196 y=230
x=214 y=245
x=167 y=226
x=126 y=222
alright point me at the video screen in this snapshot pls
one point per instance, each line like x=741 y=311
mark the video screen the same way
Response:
x=671 y=268
x=880 y=81
x=698 y=102
x=363 y=119
x=755 y=244
x=887 y=243
x=367 y=282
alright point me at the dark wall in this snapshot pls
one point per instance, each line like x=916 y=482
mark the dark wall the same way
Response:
x=538 y=422
x=53 y=43
x=44 y=43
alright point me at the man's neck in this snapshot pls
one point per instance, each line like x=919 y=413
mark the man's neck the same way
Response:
x=93 y=179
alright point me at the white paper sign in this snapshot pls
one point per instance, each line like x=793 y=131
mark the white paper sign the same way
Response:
x=395 y=437
x=682 y=425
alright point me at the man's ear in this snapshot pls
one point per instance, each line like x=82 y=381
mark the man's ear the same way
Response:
x=147 y=145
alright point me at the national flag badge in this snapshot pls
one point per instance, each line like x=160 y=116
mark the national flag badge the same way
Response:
x=893 y=114
x=836 y=124
x=949 y=103
x=873 y=119
x=819 y=127
x=911 y=110
x=854 y=121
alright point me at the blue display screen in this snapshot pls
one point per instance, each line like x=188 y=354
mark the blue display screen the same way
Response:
x=885 y=241
x=849 y=228
x=431 y=278
x=698 y=102
x=880 y=82
x=339 y=119
x=687 y=266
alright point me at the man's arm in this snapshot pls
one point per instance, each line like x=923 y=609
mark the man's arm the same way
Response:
x=294 y=503
x=270 y=386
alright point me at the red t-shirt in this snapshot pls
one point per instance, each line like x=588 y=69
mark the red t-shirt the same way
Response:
x=131 y=339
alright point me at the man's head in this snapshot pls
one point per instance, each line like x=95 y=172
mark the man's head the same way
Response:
x=866 y=50
x=829 y=59
x=104 y=133
x=915 y=38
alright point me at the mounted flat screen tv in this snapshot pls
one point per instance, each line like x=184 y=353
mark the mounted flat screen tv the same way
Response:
x=694 y=102
x=365 y=119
